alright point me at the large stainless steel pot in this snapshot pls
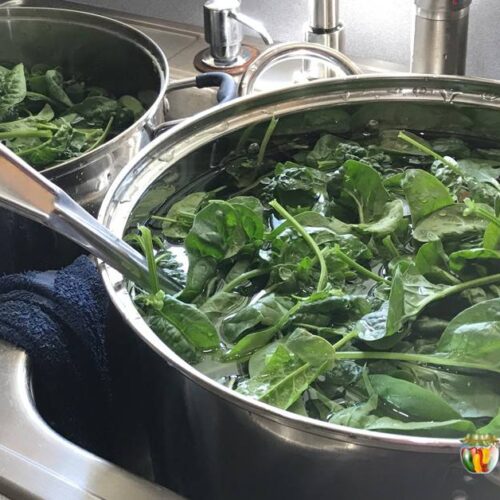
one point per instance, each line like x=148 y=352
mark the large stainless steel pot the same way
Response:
x=112 y=55
x=235 y=447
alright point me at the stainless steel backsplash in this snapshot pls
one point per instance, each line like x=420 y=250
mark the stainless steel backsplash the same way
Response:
x=375 y=29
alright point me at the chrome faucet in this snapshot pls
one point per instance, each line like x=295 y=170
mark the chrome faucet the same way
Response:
x=440 y=42
x=324 y=26
x=223 y=33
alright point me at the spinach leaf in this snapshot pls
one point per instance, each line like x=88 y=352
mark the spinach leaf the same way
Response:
x=425 y=194
x=389 y=221
x=493 y=427
x=96 y=110
x=363 y=191
x=332 y=310
x=179 y=219
x=410 y=294
x=449 y=224
x=262 y=313
x=491 y=238
x=475 y=262
x=486 y=171
x=294 y=185
x=474 y=336
x=359 y=415
x=331 y=152
x=223 y=304
x=411 y=400
x=54 y=85
x=12 y=87
x=432 y=262
x=289 y=370
x=472 y=396
x=186 y=318
x=220 y=231
x=391 y=143
x=172 y=337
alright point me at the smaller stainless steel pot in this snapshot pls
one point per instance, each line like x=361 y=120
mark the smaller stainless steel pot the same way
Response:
x=112 y=55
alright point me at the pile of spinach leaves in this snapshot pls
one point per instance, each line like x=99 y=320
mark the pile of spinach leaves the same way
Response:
x=47 y=118
x=356 y=282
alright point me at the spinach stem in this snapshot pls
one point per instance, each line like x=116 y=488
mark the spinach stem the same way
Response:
x=415 y=358
x=389 y=244
x=25 y=132
x=243 y=139
x=145 y=241
x=103 y=136
x=454 y=289
x=363 y=271
x=430 y=152
x=361 y=215
x=323 y=276
x=164 y=219
x=242 y=278
x=450 y=277
x=344 y=340
x=265 y=141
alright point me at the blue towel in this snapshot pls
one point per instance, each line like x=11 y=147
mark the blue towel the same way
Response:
x=59 y=318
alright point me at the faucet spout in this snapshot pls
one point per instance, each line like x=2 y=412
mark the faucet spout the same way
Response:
x=440 y=41
x=324 y=14
x=324 y=25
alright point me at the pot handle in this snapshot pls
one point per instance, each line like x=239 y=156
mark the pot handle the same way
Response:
x=228 y=90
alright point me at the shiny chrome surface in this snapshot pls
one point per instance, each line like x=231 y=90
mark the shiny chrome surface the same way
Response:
x=30 y=194
x=88 y=43
x=290 y=63
x=324 y=14
x=238 y=447
x=35 y=462
x=223 y=22
x=325 y=27
x=440 y=40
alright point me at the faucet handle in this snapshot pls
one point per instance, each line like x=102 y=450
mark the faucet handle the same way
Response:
x=254 y=25
x=223 y=33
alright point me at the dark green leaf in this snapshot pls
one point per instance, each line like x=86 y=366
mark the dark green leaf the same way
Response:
x=12 y=87
x=449 y=224
x=363 y=191
x=389 y=221
x=425 y=194
x=411 y=400
x=474 y=336
x=289 y=369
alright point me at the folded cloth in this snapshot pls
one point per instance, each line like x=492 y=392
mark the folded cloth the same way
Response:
x=58 y=318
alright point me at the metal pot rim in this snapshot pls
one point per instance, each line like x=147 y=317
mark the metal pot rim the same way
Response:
x=122 y=197
x=149 y=46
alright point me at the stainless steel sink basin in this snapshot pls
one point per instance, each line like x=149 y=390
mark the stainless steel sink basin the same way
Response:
x=35 y=462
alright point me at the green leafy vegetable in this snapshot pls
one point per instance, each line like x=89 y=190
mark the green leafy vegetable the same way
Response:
x=352 y=281
x=47 y=118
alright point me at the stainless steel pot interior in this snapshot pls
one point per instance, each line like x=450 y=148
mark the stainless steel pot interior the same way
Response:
x=108 y=53
x=181 y=161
